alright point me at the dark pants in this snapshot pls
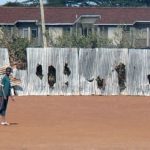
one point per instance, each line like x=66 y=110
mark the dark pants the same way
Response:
x=3 y=106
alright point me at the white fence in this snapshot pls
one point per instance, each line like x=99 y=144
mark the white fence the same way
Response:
x=85 y=66
x=4 y=59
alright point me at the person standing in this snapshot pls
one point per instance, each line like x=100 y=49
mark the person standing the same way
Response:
x=4 y=95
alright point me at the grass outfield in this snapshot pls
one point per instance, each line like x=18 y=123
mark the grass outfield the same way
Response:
x=77 y=123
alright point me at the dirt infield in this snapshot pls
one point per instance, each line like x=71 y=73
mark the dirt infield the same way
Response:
x=77 y=123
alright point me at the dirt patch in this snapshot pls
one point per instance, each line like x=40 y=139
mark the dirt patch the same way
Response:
x=77 y=123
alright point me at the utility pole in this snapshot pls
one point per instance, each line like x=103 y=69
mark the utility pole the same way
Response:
x=43 y=24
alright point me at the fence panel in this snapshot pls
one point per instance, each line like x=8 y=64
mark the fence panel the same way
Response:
x=22 y=89
x=106 y=62
x=68 y=72
x=147 y=74
x=37 y=85
x=87 y=64
x=53 y=60
x=85 y=67
x=138 y=69
x=4 y=57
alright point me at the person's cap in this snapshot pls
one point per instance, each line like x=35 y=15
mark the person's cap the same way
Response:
x=8 y=69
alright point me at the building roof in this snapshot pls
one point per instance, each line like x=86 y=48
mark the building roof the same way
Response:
x=69 y=15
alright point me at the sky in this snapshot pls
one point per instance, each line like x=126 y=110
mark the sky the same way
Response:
x=5 y=1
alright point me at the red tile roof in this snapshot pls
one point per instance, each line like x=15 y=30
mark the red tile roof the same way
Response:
x=68 y=15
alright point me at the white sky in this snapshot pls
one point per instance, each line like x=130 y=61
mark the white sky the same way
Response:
x=5 y=1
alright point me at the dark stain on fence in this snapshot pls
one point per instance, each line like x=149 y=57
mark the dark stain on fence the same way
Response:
x=67 y=70
x=39 y=71
x=90 y=80
x=51 y=76
x=100 y=83
x=121 y=70
x=148 y=77
x=67 y=83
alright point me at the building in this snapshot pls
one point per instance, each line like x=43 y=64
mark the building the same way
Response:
x=133 y=23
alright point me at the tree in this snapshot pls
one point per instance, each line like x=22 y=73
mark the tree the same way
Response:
x=12 y=4
x=15 y=45
x=79 y=41
x=83 y=3
x=31 y=2
x=48 y=2
x=112 y=3
x=56 y=2
x=144 y=2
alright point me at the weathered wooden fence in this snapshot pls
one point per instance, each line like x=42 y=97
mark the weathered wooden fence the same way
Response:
x=101 y=71
x=4 y=59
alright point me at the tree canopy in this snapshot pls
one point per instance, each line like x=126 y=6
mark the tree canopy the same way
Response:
x=56 y=2
x=13 y=4
x=84 y=3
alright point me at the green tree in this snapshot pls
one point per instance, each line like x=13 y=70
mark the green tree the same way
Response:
x=112 y=3
x=13 y=4
x=103 y=3
x=48 y=2
x=15 y=45
x=79 y=41
x=56 y=2
x=144 y=2
x=31 y=2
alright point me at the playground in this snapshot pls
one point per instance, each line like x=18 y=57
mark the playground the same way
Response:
x=77 y=123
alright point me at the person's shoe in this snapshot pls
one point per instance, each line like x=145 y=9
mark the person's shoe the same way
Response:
x=2 y=123
x=5 y=123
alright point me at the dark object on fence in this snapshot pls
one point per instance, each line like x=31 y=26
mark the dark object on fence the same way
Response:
x=100 y=83
x=51 y=76
x=39 y=71
x=91 y=80
x=121 y=70
x=67 y=70
x=148 y=77
x=67 y=83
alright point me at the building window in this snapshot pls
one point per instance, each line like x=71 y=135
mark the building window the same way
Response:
x=141 y=33
x=86 y=29
x=25 y=33
x=126 y=28
x=66 y=29
x=104 y=32
x=34 y=33
x=9 y=30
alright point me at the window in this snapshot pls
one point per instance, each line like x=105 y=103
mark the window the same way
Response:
x=66 y=29
x=9 y=29
x=126 y=28
x=141 y=33
x=25 y=33
x=34 y=33
x=86 y=29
